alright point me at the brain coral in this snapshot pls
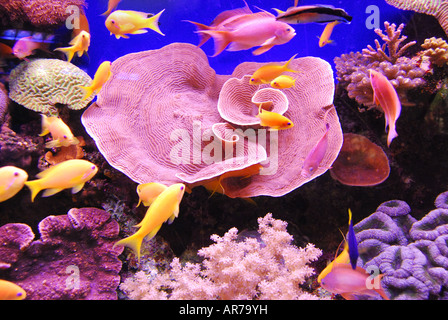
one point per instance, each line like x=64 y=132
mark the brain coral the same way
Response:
x=42 y=83
x=164 y=106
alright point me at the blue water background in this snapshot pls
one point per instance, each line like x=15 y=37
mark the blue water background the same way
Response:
x=348 y=37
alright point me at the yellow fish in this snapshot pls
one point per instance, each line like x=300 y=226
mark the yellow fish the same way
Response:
x=11 y=291
x=12 y=179
x=101 y=76
x=65 y=175
x=123 y=22
x=273 y=120
x=325 y=36
x=60 y=132
x=165 y=207
x=269 y=72
x=79 y=44
x=148 y=192
x=283 y=82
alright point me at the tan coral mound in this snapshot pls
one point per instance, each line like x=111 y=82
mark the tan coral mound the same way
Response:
x=163 y=107
x=42 y=83
x=436 y=50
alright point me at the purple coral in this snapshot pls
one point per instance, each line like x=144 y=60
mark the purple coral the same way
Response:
x=412 y=255
x=74 y=259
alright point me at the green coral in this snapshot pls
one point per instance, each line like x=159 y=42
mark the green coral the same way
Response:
x=41 y=84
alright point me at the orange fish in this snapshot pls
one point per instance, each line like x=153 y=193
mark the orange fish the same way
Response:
x=79 y=44
x=273 y=120
x=385 y=95
x=252 y=30
x=5 y=50
x=101 y=76
x=215 y=185
x=326 y=34
x=11 y=291
x=269 y=72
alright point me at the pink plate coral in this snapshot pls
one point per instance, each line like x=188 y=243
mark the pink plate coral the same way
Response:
x=169 y=111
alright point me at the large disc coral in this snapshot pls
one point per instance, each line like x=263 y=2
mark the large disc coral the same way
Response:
x=163 y=107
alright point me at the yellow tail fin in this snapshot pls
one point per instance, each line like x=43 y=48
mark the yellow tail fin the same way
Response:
x=134 y=242
x=69 y=52
x=287 y=64
x=88 y=91
x=34 y=187
x=153 y=22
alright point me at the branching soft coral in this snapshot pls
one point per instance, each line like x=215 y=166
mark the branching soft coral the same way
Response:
x=265 y=267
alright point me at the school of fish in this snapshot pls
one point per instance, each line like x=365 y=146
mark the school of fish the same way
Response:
x=234 y=30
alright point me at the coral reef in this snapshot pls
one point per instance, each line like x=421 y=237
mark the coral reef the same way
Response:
x=16 y=149
x=404 y=73
x=360 y=162
x=412 y=254
x=438 y=9
x=73 y=259
x=41 y=84
x=267 y=266
x=4 y=102
x=162 y=138
x=39 y=13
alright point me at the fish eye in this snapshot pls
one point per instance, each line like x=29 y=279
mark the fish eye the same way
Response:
x=311 y=169
x=182 y=188
x=16 y=174
x=19 y=294
x=112 y=21
x=93 y=167
x=65 y=137
x=288 y=124
x=252 y=80
x=288 y=29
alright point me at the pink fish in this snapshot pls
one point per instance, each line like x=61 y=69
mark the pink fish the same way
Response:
x=24 y=47
x=385 y=95
x=252 y=30
x=343 y=280
x=223 y=21
x=317 y=153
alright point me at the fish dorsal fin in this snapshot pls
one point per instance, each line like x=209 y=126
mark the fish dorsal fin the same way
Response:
x=247 y=18
x=46 y=172
x=223 y=16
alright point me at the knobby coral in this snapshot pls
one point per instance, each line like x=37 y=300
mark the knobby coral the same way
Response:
x=73 y=259
x=436 y=49
x=267 y=266
x=170 y=110
x=39 y=13
x=412 y=254
x=404 y=73
x=41 y=84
